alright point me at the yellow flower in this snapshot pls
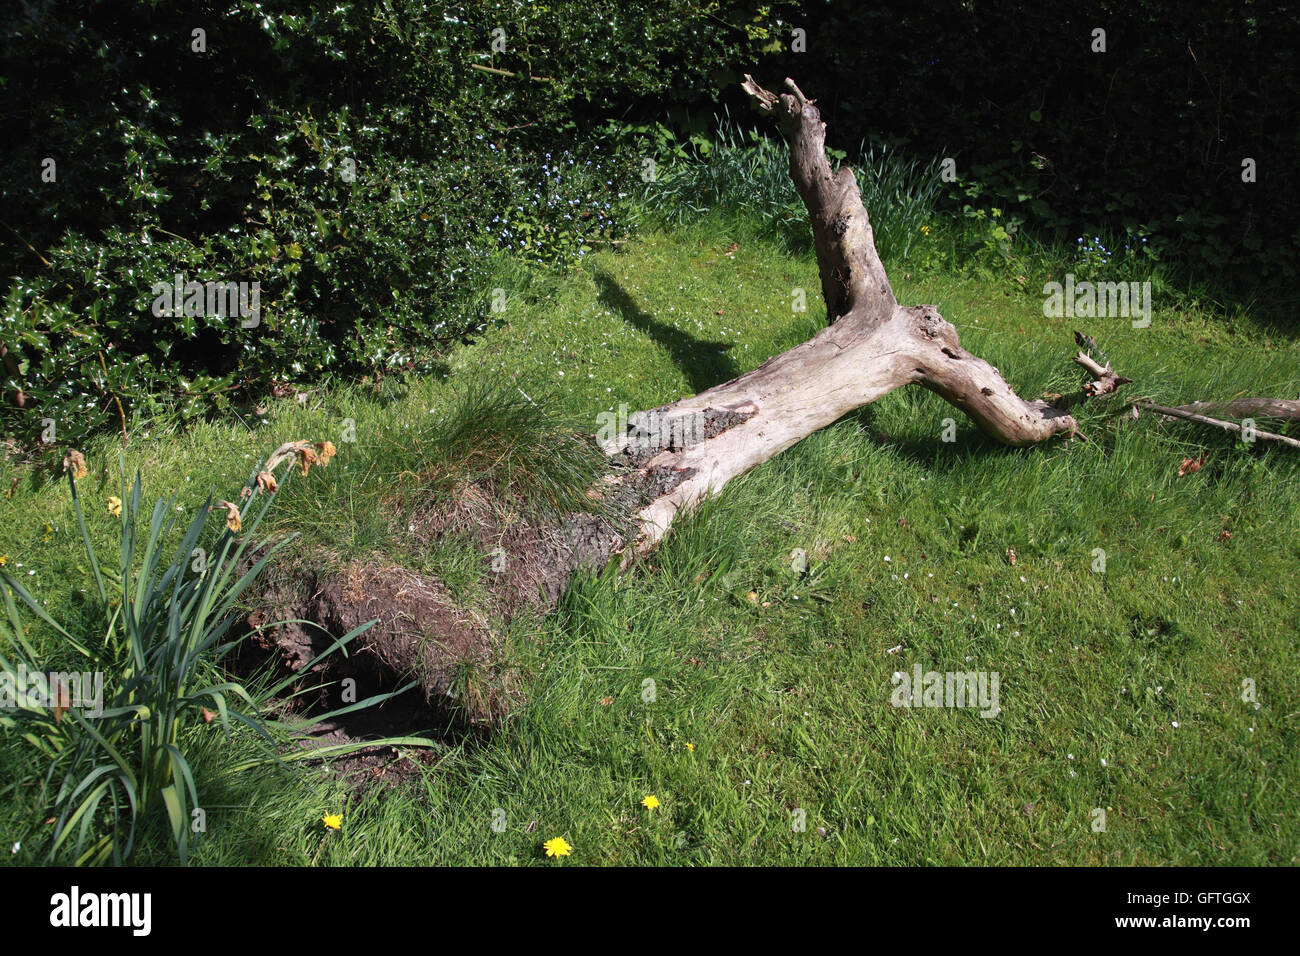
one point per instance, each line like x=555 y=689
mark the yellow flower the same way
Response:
x=650 y=802
x=557 y=846
x=115 y=506
x=926 y=230
x=690 y=746
x=332 y=820
x=4 y=559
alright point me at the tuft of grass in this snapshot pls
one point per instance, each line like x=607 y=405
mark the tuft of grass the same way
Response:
x=494 y=432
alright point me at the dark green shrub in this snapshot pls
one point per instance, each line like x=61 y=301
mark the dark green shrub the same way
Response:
x=363 y=164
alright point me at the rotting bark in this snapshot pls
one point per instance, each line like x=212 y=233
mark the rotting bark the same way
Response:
x=667 y=459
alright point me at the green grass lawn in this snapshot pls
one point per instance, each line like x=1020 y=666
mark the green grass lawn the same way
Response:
x=753 y=701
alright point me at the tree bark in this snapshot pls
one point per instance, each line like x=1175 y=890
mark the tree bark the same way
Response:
x=872 y=346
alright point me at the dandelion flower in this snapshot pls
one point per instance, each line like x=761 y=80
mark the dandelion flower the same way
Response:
x=650 y=802
x=115 y=506
x=4 y=559
x=690 y=746
x=557 y=846
x=332 y=820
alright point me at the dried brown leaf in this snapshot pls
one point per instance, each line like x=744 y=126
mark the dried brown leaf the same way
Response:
x=233 y=521
x=75 y=462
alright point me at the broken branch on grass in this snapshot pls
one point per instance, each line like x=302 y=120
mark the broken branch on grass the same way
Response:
x=1104 y=380
x=1213 y=422
x=1247 y=408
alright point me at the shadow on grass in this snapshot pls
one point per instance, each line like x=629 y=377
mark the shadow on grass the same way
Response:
x=931 y=451
x=704 y=363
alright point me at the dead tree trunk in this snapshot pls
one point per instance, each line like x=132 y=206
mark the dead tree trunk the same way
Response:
x=668 y=459
x=872 y=346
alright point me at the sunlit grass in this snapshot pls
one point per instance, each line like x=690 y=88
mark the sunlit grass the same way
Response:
x=763 y=707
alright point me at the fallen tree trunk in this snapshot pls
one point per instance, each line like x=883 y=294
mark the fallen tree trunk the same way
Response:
x=872 y=346
x=666 y=460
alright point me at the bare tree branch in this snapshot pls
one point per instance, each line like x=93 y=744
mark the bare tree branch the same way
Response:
x=1215 y=422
